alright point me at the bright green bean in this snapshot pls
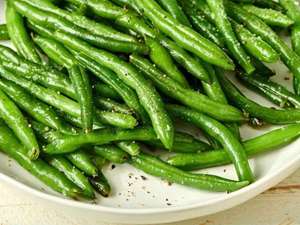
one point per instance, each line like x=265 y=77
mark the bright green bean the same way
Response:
x=3 y=32
x=111 y=153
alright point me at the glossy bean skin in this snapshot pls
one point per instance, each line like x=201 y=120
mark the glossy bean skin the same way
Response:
x=98 y=161
x=68 y=143
x=258 y=27
x=148 y=96
x=262 y=69
x=111 y=105
x=185 y=36
x=270 y=16
x=54 y=22
x=100 y=184
x=183 y=143
x=217 y=7
x=156 y=167
x=35 y=108
x=78 y=76
x=131 y=147
x=19 y=35
x=273 y=116
x=201 y=23
x=82 y=161
x=107 y=91
x=186 y=60
x=72 y=173
x=41 y=170
x=82 y=21
x=116 y=119
x=296 y=38
x=255 y=45
x=231 y=144
x=175 y=10
x=46 y=76
x=14 y=118
x=4 y=32
x=269 y=88
x=161 y=57
x=267 y=142
x=186 y=96
x=111 y=153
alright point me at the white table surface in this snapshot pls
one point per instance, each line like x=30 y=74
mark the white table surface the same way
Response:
x=278 y=206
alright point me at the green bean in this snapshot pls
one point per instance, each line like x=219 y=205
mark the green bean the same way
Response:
x=4 y=32
x=82 y=161
x=47 y=174
x=258 y=27
x=175 y=10
x=292 y=9
x=78 y=76
x=111 y=105
x=185 y=36
x=99 y=161
x=262 y=69
x=273 y=4
x=231 y=144
x=111 y=153
x=295 y=38
x=193 y=66
x=255 y=45
x=46 y=76
x=267 y=142
x=156 y=167
x=76 y=121
x=268 y=87
x=55 y=22
x=131 y=147
x=35 y=108
x=273 y=116
x=18 y=34
x=269 y=16
x=109 y=77
x=161 y=57
x=116 y=119
x=72 y=173
x=107 y=91
x=82 y=21
x=101 y=185
x=186 y=96
x=69 y=143
x=147 y=94
x=183 y=143
x=218 y=9
x=200 y=22
x=14 y=118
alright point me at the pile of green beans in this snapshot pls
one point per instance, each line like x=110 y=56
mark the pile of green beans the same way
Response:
x=145 y=83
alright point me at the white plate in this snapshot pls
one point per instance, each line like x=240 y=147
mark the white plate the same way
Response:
x=152 y=201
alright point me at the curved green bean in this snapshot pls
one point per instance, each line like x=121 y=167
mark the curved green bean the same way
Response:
x=111 y=153
x=3 y=32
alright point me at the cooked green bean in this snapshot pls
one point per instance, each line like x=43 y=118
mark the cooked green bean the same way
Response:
x=217 y=7
x=258 y=27
x=147 y=94
x=161 y=57
x=131 y=147
x=3 y=32
x=268 y=87
x=101 y=185
x=273 y=4
x=111 y=153
x=183 y=143
x=69 y=143
x=186 y=96
x=55 y=22
x=99 y=161
x=107 y=91
x=47 y=174
x=184 y=36
x=267 y=142
x=35 y=108
x=14 y=118
x=46 y=76
x=18 y=34
x=296 y=38
x=255 y=45
x=175 y=10
x=187 y=61
x=156 y=167
x=273 y=116
x=72 y=173
x=269 y=16
x=262 y=69
x=78 y=76
x=82 y=161
x=231 y=144
x=111 y=105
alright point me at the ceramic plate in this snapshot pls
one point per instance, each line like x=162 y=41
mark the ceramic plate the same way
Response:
x=142 y=199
